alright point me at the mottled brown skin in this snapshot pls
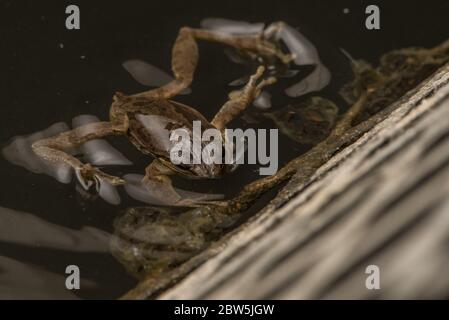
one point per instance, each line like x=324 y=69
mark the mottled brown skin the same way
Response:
x=166 y=236
x=125 y=111
x=307 y=122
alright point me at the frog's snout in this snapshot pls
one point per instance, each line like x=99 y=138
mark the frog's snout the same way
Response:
x=210 y=171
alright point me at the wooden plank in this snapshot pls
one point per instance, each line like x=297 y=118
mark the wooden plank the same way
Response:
x=382 y=201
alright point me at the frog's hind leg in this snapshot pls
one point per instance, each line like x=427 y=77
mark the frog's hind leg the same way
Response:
x=184 y=61
x=185 y=57
x=159 y=185
x=56 y=148
x=252 y=43
x=240 y=100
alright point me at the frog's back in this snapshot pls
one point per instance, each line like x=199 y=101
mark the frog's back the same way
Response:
x=151 y=125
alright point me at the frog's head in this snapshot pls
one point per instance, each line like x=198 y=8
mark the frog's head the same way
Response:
x=199 y=171
x=210 y=171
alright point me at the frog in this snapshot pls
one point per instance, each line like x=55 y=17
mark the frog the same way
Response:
x=143 y=117
x=398 y=72
x=307 y=122
x=153 y=240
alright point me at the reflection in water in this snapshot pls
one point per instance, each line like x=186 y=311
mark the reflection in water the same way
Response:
x=149 y=75
x=149 y=240
x=305 y=51
x=317 y=80
x=307 y=122
x=30 y=230
x=234 y=57
x=263 y=101
x=239 y=82
x=19 y=152
x=96 y=152
x=305 y=54
x=99 y=152
x=25 y=281
x=108 y=192
x=232 y=26
x=138 y=191
x=239 y=28
x=157 y=127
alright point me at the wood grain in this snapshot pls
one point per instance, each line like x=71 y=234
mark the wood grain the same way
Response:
x=382 y=200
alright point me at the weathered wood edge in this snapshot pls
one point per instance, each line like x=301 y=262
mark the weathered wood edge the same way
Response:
x=232 y=243
x=201 y=267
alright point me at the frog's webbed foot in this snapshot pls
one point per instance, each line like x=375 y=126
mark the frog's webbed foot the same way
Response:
x=88 y=176
x=55 y=149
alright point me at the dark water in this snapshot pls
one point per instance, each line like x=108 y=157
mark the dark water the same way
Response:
x=50 y=74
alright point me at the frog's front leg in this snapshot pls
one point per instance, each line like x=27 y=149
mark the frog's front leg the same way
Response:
x=159 y=185
x=240 y=100
x=55 y=149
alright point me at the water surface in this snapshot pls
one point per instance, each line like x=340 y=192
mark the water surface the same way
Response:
x=51 y=75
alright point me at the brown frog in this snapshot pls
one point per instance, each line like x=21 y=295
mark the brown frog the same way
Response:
x=307 y=122
x=398 y=72
x=147 y=118
x=150 y=241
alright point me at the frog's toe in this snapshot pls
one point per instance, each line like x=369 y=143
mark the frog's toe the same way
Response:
x=190 y=203
x=214 y=203
x=89 y=176
x=115 y=181
x=86 y=180
x=200 y=203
